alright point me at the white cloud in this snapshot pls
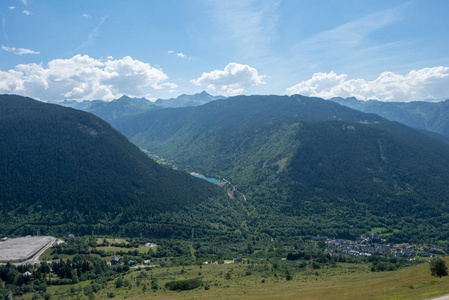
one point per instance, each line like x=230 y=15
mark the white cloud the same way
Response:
x=427 y=83
x=82 y=78
x=233 y=80
x=170 y=85
x=180 y=54
x=11 y=7
x=24 y=2
x=27 y=12
x=19 y=51
x=87 y=16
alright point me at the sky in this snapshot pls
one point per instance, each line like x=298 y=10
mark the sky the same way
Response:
x=84 y=50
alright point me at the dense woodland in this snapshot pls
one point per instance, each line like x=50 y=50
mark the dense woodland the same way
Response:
x=323 y=167
x=65 y=167
x=297 y=167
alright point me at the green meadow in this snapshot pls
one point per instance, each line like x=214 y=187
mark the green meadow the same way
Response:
x=261 y=280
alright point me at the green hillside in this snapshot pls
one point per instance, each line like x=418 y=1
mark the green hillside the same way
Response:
x=431 y=116
x=309 y=166
x=62 y=166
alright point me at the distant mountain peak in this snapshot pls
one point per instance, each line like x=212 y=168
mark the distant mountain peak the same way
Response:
x=124 y=97
x=188 y=100
x=127 y=98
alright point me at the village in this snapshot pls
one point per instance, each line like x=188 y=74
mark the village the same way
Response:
x=374 y=244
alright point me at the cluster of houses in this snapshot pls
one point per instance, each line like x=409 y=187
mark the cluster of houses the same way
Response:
x=223 y=262
x=116 y=260
x=365 y=246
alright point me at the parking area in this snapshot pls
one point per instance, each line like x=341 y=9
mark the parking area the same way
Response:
x=21 y=249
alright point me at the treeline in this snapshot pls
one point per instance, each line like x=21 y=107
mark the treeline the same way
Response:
x=28 y=278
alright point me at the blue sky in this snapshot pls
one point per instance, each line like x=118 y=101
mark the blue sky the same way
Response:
x=386 y=50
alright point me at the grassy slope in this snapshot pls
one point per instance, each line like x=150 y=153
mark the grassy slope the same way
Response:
x=347 y=281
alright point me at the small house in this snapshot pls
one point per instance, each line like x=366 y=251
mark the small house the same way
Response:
x=221 y=262
x=71 y=238
x=238 y=259
x=4 y=239
x=115 y=260
x=319 y=238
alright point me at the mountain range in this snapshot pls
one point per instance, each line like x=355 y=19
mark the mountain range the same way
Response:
x=307 y=165
x=431 y=116
x=124 y=106
x=295 y=166
x=425 y=115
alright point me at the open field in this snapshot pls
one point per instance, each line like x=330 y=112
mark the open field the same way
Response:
x=21 y=249
x=345 y=281
x=113 y=240
x=116 y=249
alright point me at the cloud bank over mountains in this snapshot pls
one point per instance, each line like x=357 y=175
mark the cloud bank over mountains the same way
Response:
x=427 y=83
x=235 y=79
x=83 y=78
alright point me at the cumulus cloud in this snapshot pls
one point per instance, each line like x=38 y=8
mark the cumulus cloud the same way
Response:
x=87 y=16
x=27 y=12
x=82 y=77
x=233 y=80
x=427 y=83
x=11 y=7
x=19 y=51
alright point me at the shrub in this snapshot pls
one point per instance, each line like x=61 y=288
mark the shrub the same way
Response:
x=184 y=285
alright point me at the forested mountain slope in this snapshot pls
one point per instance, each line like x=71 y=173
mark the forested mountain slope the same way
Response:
x=308 y=165
x=61 y=165
x=431 y=116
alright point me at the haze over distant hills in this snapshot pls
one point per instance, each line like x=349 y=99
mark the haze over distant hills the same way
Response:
x=431 y=116
x=188 y=100
x=110 y=110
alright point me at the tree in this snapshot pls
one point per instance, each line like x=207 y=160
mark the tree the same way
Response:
x=438 y=267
